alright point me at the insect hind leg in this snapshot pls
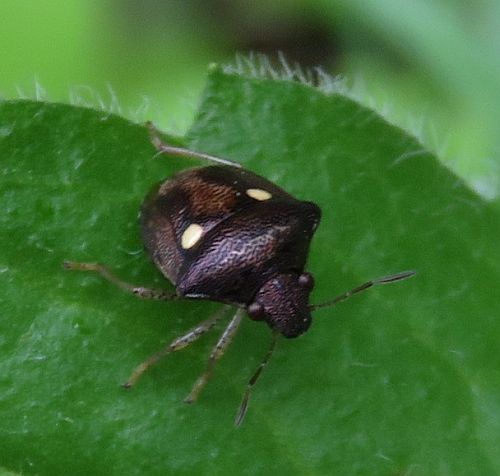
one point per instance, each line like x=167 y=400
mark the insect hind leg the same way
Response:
x=164 y=148
x=139 y=291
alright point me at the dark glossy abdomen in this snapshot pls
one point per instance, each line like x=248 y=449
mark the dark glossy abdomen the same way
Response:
x=243 y=239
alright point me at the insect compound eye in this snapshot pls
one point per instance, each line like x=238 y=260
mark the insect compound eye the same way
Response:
x=306 y=281
x=255 y=311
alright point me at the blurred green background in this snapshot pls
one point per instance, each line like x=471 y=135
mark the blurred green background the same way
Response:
x=432 y=66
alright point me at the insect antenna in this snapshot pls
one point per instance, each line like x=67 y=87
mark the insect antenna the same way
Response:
x=242 y=410
x=392 y=278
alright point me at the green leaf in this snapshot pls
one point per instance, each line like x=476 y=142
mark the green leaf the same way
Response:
x=403 y=379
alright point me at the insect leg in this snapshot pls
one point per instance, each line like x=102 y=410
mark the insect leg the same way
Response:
x=165 y=148
x=242 y=410
x=177 y=344
x=139 y=291
x=218 y=351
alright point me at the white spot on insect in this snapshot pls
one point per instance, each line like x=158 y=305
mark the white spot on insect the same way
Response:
x=191 y=235
x=258 y=194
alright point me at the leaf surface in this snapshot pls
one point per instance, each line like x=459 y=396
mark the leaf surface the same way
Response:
x=402 y=379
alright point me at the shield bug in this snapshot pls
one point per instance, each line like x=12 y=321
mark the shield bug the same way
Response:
x=223 y=233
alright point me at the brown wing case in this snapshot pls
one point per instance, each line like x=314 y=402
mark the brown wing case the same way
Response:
x=208 y=197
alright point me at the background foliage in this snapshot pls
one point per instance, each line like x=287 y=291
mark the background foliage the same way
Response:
x=432 y=66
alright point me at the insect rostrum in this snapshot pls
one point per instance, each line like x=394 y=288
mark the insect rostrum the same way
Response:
x=223 y=233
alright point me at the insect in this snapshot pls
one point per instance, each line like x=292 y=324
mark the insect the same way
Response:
x=223 y=233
